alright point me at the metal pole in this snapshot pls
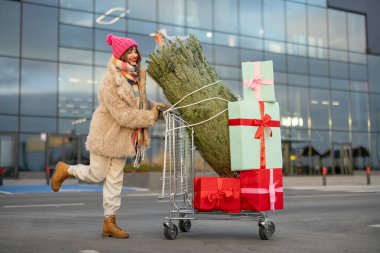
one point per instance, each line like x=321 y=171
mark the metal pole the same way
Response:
x=324 y=172
x=368 y=172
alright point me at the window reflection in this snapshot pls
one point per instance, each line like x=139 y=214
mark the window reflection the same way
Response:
x=297 y=64
x=359 y=111
x=298 y=109
x=250 y=18
x=337 y=29
x=8 y=123
x=83 y=37
x=339 y=69
x=10 y=33
x=318 y=67
x=75 y=55
x=319 y=108
x=356 y=32
x=140 y=9
x=76 y=18
x=296 y=22
x=317 y=26
x=166 y=13
x=320 y=141
x=340 y=110
x=198 y=13
x=360 y=150
x=77 y=5
x=274 y=19
x=9 y=88
x=228 y=9
x=226 y=56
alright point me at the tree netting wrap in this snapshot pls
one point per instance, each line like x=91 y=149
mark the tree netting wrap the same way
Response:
x=180 y=68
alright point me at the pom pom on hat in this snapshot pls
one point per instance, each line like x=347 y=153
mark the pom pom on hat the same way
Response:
x=120 y=44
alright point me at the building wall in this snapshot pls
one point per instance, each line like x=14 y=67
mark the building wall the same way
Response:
x=53 y=55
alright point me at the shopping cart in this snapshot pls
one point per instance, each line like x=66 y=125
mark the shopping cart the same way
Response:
x=177 y=183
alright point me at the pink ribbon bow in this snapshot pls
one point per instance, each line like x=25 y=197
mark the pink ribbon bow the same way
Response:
x=257 y=81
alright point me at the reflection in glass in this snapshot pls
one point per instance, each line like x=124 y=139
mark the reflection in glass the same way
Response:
x=294 y=49
x=318 y=67
x=77 y=5
x=357 y=58
x=102 y=6
x=274 y=46
x=320 y=141
x=319 y=108
x=198 y=13
x=250 y=55
x=226 y=39
x=141 y=9
x=339 y=69
x=340 y=110
x=226 y=56
x=360 y=150
x=359 y=86
x=374 y=73
x=251 y=43
x=8 y=124
x=337 y=29
x=39 y=88
x=75 y=55
x=339 y=84
x=37 y=22
x=274 y=19
x=9 y=88
x=279 y=61
x=319 y=82
x=38 y=125
x=10 y=33
x=141 y=27
x=300 y=80
x=76 y=18
x=296 y=23
x=358 y=72
x=32 y=153
x=166 y=13
x=317 y=52
x=359 y=111
x=356 y=32
x=226 y=8
x=73 y=126
x=282 y=97
x=83 y=37
x=338 y=55
x=317 y=26
x=298 y=107
x=250 y=18
x=297 y=64
x=75 y=91
x=318 y=2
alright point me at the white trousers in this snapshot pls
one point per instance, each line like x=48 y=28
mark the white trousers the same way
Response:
x=110 y=171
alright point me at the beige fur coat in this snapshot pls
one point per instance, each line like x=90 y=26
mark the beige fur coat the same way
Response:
x=117 y=115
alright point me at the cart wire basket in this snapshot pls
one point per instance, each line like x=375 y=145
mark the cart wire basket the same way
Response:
x=178 y=184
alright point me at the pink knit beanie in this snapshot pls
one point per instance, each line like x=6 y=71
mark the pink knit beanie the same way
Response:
x=120 y=44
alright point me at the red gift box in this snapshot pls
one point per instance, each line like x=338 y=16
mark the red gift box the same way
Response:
x=217 y=193
x=261 y=190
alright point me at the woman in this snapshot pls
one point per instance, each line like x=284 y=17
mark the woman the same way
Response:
x=118 y=130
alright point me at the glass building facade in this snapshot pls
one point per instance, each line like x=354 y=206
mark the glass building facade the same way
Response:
x=53 y=55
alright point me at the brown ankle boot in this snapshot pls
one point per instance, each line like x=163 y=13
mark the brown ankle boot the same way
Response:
x=59 y=176
x=110 y=229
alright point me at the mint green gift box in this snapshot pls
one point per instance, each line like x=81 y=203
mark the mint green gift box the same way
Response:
x=260 y=76
x=244 y=147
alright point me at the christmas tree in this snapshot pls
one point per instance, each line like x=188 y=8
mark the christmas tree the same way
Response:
x=179 y=67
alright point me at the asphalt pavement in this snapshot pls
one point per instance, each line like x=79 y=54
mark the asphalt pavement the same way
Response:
x=315 y=219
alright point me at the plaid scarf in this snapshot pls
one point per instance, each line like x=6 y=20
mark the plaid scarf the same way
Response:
x=131 y=73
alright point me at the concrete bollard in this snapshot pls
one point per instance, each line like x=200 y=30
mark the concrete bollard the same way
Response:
x=324 y=172
x=368 y=172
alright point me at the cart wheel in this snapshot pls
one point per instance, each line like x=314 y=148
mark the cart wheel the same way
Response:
x=266 y=234
x=171 y=232
x=184 y=225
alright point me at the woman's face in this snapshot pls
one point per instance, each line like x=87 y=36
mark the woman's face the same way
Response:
x=132 y=56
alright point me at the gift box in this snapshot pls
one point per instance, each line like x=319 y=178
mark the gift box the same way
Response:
x=258 y=81
x=255 y=136
x=216 y=193
x=261 y=190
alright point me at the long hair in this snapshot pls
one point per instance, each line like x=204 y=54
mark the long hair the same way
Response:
x=125 y=59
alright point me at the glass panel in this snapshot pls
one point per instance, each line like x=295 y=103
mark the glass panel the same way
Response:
x=319 y=82
x=296 y=22
x=251 y=43
x=250 y=18
x=32 y=153
x=44 y=2
x=320 y=141
x=358 y=72
x=298 y=109
x=226 y=39
x=75 y=55
x=222 y=9
x=274 y=19
x=339 y=84
x=280 y=78
x=359 y=111
x=282 y=97
x=141 y=27
x=77 y=5
x=319 y=108
x=76 y=18
x=340 y=110
x=337 y=29
x=294 y=49
x=101 y=59
x=360 y=151
x=374 y=73
x=111 y=15
x=75 y=91
x=250 y=55
x=226 y=56
x=10 y=28
x=99 y=74
x=339 y=69
x=356 y=32
x=202 y=35
x=9 y=85
x=279 y=61
x=357 y=58
x=275 y=46
x=317 y=26
x=142 y=9
x=359 y=86
x=298 y=80
x=318 y=2
x=375 y=128
x=228 y=72
x=317 y=52
x=297 y=64
x=73 y=126
x=112 y=7
x=318 y=67
x=37 y=22
x=198 y=13
x=39 y=88
x=83 y=37
x=8 y=123
x=38 y=125
x=166 y=13
x=338 y=55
